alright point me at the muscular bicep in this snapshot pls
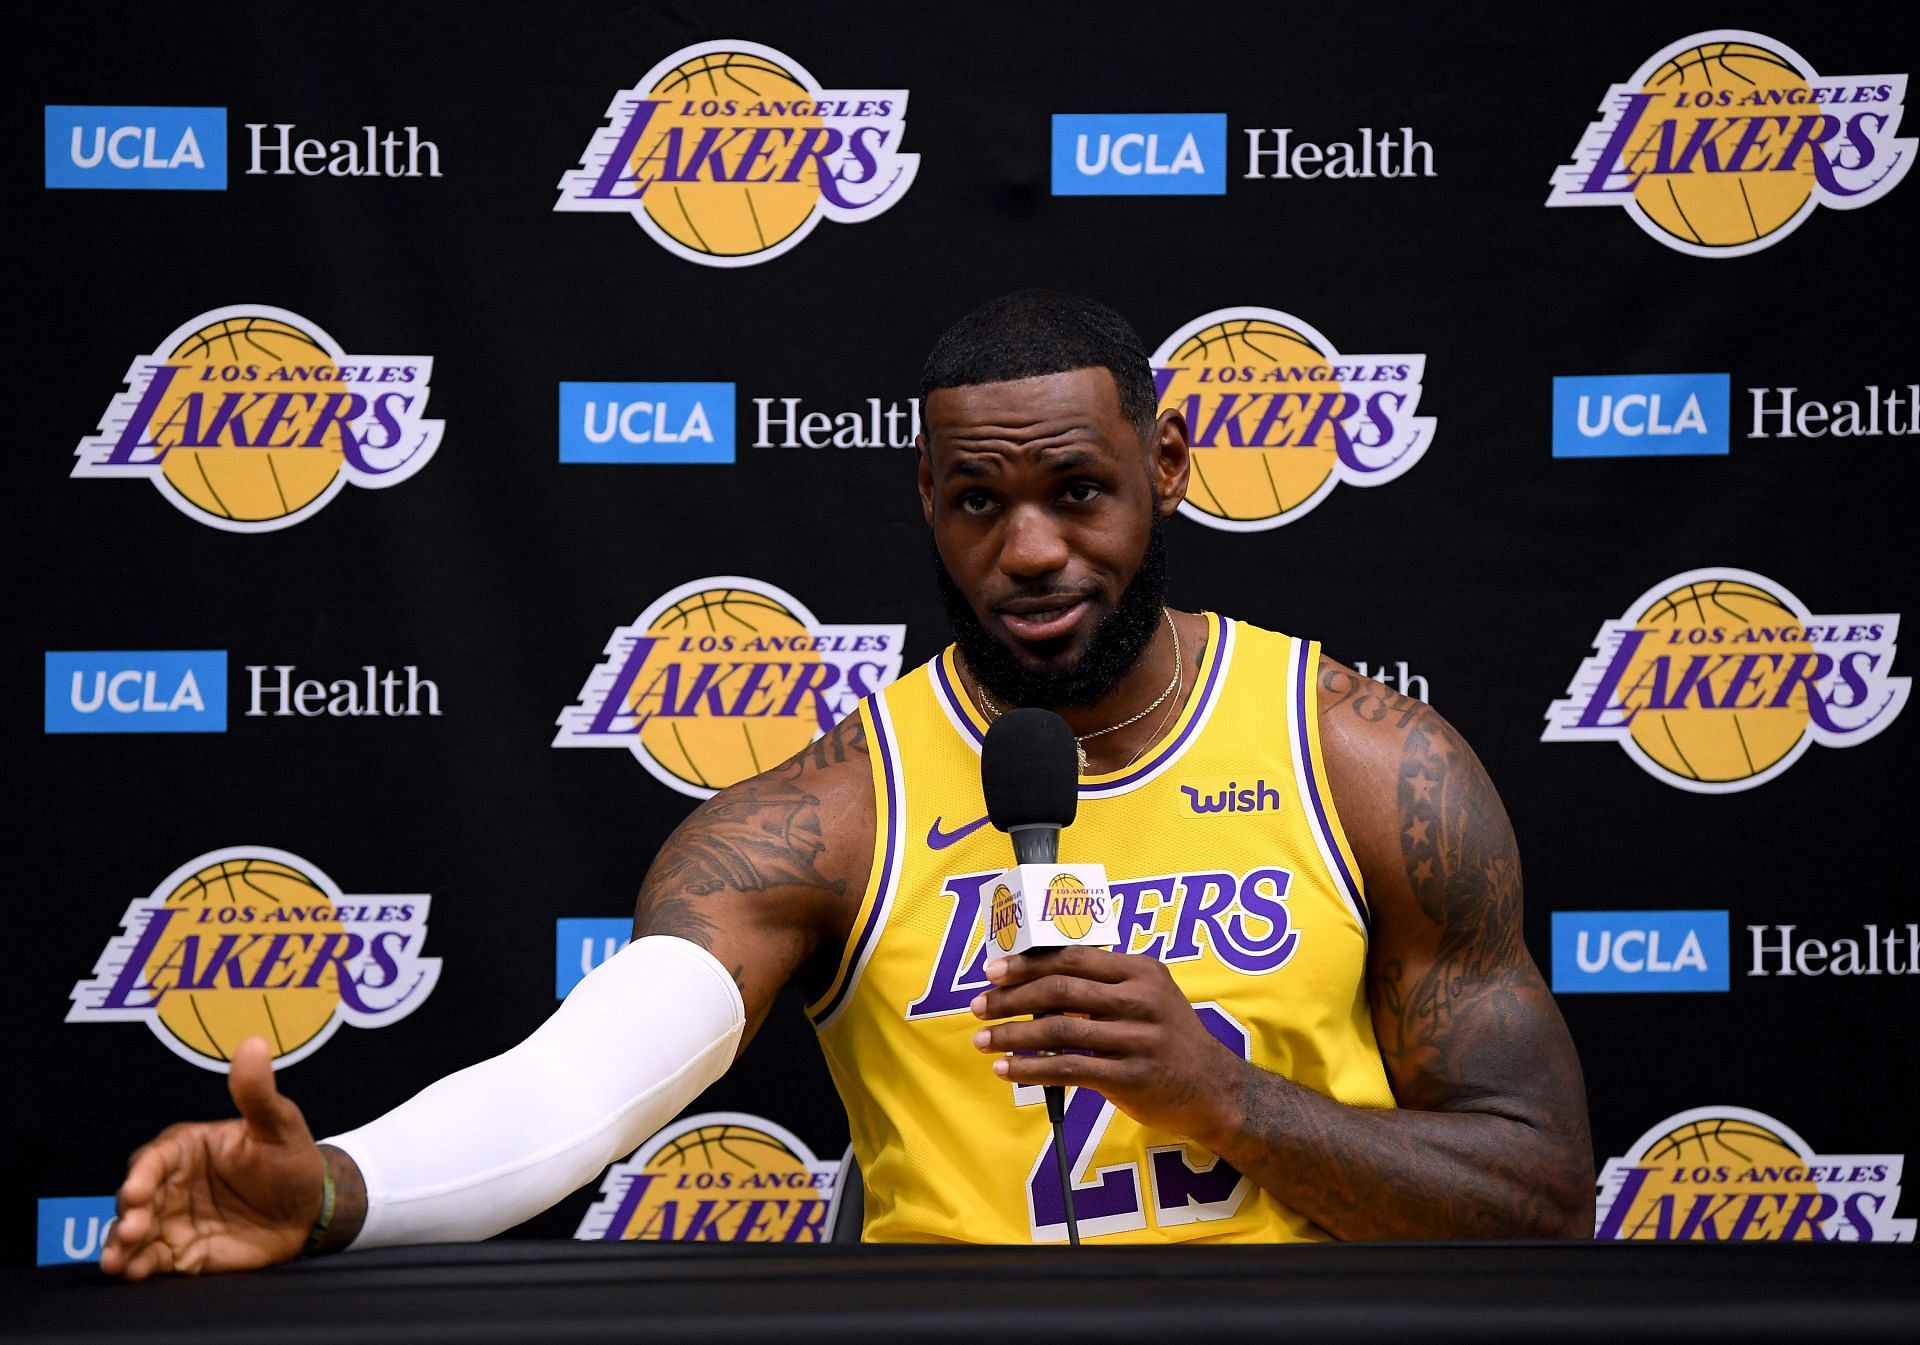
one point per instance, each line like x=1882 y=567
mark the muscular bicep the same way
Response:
x=1463 y=1018
x=766 y=874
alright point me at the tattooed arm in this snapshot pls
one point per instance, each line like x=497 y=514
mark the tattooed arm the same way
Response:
x=767 y=874
x=1491 y=1136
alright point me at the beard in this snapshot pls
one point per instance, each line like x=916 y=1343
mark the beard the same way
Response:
x=1115 y=646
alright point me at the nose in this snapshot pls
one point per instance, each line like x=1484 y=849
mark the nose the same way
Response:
x=1033 y=545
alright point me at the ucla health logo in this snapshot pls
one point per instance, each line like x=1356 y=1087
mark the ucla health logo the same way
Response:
x=646 y=422
x=729 y=153
x=1640 y=415
x=1147 y=154
x=1723 y=143
x=253 y=942
x=1277 y=417
x=716 y=1177
x=1717 y=680
x=1729 y=1174
x=73 y=1229
x=1603 y=952
x=137 y=691
x=139 y=148
x=723 y=678
x=251 y=419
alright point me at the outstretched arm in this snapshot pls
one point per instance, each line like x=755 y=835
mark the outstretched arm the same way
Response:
x=758 y=876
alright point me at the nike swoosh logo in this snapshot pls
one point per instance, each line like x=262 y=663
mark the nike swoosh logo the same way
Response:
x=940 y=840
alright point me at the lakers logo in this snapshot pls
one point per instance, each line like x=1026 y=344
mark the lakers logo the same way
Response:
x=718 y=1177
x=1006 y=918
x=251 y=419
x=1277 y=417
x=724 y=678
x=1716 y=681
x=729 y=153
x=253 y=942
x=1723 y=143
x=1727 y=1174
x=1070 y=907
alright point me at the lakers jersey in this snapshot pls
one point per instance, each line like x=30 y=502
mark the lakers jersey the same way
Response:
x=1226 y=863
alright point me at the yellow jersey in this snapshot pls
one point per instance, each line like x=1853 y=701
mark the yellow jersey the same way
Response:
x=1226 y=862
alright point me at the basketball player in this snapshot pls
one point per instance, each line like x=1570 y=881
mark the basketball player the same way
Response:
x=1324 y=1024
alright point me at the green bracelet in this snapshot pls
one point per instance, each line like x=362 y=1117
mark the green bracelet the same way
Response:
x=320 y=1225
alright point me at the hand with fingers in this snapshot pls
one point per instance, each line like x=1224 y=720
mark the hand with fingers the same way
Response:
x=203 y=1197
x=1136 y=1040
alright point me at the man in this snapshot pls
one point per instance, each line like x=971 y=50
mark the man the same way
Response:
x=1324 y=1022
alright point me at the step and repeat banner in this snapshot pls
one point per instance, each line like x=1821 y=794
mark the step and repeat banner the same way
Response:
x=421 y=396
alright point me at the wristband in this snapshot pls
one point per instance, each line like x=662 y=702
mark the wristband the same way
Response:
x=319 y=1231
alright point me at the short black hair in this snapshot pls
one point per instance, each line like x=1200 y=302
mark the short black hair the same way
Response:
x=1030 y=333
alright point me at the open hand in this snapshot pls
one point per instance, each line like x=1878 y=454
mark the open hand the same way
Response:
x=209 y=1196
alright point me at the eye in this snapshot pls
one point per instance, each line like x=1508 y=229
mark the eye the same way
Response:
x=975 y=502
x=1080 y=492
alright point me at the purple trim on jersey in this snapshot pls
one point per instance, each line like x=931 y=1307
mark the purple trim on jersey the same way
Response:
x=1305 y=747
x=957 y=706
x=895 y=820
x=955 y=703
x=1199 y=712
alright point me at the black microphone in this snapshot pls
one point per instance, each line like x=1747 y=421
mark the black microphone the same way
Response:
x=1030 y=773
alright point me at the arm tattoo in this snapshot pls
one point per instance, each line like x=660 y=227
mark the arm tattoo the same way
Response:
x=758 y=836
x=1492 y=1136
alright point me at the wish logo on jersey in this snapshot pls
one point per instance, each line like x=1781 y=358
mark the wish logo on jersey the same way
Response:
x=729 y=153
x=723 y=678
x=252 y=942
x=1716 y=681
x=1277 y=417
x=251 y=419
x=1727 y=1174
x=1724 y=142
x=717 y=1177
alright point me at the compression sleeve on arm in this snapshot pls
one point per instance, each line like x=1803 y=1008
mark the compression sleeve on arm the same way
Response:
x=496 y=1143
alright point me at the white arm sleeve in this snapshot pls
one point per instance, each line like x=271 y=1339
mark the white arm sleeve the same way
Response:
x=484 y=1149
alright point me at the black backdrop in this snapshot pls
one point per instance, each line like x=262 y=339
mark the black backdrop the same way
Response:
x=499 y=572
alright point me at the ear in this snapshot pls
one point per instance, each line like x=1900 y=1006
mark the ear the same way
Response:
x=1170 y=460
x=924 y=463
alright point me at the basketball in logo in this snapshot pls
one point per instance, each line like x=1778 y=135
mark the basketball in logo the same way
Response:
x=1715 y=746
x=1717 y=680
x=716 y=1177
x=1005 y=917
x=1249 y=481
x=697 y=740
x=251 y=355
x=1276 y=417
x=1071 y=904
x=1723 y=209
x=250 y=418
x=718 y=217
x=1723 y=143
x=212 y=1008
x=1719 y=1159
x=254 y=942
x=724 y=678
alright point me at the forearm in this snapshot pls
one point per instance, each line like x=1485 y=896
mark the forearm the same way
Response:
x=496 y=1143
x=1370 y=1174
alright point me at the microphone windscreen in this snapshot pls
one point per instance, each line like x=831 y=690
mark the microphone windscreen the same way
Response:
x=1030 y=770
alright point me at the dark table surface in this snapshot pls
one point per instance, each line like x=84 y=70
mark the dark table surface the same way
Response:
x=567 y=1291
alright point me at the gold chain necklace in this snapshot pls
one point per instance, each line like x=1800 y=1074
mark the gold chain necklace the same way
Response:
x=1080 y=739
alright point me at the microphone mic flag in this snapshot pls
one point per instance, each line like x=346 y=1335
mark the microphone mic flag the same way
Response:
x=1030 y=773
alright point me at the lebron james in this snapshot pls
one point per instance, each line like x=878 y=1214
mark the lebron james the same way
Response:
x=1322 y=1023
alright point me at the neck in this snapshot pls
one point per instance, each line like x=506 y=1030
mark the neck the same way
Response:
x=1143 y=682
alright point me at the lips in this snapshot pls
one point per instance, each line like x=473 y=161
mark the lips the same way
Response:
x=1043 y=619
